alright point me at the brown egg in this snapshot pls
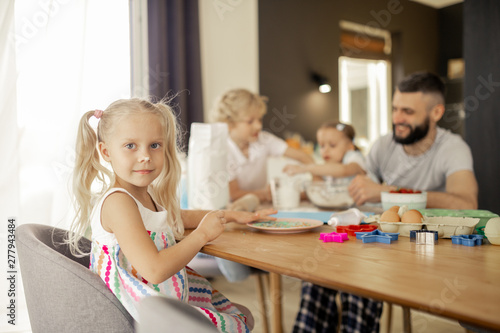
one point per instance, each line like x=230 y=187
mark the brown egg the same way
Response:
x=394 y=208
x=412 y=216
x=390 y=216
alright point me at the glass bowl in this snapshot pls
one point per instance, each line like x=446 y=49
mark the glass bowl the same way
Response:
x=332 y=194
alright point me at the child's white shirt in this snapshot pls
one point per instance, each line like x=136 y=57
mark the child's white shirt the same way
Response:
x=251 y=172
x=354 y=156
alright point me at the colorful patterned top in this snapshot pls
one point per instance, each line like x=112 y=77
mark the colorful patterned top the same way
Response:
x=107 y=261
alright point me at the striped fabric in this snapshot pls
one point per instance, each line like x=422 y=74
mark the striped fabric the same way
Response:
x=108 y=261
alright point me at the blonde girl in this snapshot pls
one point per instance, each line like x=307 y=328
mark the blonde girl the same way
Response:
x=133 y=216
x=249 y=146
x=342 y=158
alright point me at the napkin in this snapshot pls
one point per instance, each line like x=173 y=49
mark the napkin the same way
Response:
x=208 y=180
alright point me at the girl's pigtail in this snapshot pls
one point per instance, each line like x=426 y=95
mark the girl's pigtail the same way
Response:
x=166 y=185
x=87 y=169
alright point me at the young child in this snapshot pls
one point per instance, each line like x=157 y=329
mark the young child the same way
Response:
x=135 y=217
x=342 y=158
x=249 y=146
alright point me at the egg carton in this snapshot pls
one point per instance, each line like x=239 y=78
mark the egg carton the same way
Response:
x=445 y=226
x=399 y=227
x=451 y=226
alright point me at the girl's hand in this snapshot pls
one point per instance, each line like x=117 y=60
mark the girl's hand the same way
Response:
x=212 y=225
x=245 y=217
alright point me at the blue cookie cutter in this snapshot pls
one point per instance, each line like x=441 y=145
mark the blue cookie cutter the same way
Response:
x=467 y=240
x=377 y=236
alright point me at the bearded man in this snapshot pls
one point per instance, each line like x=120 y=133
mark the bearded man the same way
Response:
x=418 y=154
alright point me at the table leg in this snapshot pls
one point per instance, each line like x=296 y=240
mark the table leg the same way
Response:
x=406 y=319
x=275 y=295
x=260 y=277
x=388 y=307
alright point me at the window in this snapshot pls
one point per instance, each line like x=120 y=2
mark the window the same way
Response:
x=72 y=57
x=364 y=82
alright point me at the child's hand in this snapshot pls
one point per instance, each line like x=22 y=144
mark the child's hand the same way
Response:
x=245 y=217
x=212 y=225
x=293 y=169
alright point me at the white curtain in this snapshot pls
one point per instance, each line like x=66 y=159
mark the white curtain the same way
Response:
x=72 y=56
x=58 y=59
x=9 y=162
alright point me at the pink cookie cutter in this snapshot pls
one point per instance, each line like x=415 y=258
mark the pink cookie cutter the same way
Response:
x=333 y=237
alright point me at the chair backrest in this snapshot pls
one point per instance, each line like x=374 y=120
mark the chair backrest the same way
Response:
x=62 y=294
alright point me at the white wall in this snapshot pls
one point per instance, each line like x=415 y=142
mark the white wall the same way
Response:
x=229 y=47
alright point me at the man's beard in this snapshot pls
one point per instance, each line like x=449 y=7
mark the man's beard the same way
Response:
x=416 y=134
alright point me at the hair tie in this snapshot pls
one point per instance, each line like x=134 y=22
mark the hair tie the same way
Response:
x=98 y=113
x=340 y=127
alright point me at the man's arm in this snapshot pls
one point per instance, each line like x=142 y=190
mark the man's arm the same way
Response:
x=461 y=192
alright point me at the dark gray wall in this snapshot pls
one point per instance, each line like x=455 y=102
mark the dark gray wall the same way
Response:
x=482 y=99
x=451 y=47
x=298 y=36
x=450 y=36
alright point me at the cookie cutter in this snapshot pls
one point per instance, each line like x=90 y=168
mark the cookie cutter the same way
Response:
x=333 y=237
x=467 y=240
x=353 y=228
x=377 y=236
x=424 y=237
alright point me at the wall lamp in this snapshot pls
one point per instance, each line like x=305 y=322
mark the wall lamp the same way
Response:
x=322 y=82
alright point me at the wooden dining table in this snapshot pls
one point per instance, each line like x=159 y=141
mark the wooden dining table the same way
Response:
x=445 y=279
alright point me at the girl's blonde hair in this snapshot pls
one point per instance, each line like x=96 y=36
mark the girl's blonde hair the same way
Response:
x=347 y=129
x=89 y=171
x=235 y=104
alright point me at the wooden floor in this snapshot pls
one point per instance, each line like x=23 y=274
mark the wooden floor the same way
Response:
x=244 y=293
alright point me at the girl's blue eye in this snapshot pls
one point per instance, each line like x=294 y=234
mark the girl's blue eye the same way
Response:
x=155 y=145
x=130 y=145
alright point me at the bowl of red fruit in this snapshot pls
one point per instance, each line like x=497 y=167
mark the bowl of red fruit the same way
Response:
x=413 y=199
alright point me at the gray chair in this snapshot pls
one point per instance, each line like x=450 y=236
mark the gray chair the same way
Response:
x=63 y=295
x=178 y=312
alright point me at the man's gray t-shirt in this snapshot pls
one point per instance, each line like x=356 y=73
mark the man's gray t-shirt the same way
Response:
x=388 y=162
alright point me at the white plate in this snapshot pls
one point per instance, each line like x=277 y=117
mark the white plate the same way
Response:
x=286 y=225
